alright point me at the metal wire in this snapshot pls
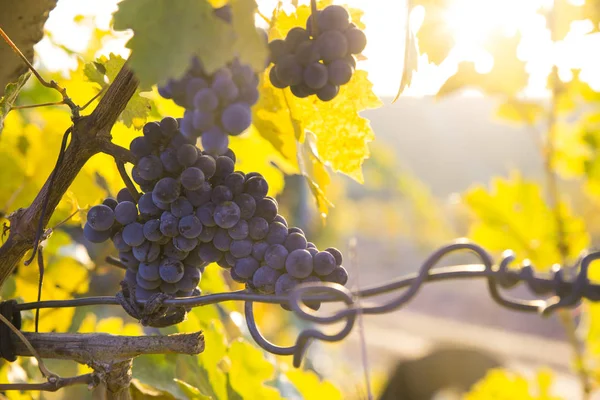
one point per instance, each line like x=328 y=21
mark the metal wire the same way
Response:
x=567 y=287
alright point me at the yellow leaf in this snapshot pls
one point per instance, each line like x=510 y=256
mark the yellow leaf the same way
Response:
x=506 y=385
x=525 y=112
x=507 y=76
x=512 y=214
x=249 y=371
x=434 y=36
x=311 y=387
x=568 y=11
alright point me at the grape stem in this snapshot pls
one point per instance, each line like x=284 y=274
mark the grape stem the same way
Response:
x=313 y=13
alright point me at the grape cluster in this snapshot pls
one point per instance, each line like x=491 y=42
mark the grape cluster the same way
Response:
x=317 y=64
x=196 y=209
x=216 y=105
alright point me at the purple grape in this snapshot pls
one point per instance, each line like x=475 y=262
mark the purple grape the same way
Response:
x=222 y=240
x=224 y=166
x=169 y=160
x=247 y=205
x=259 y=249
x=110 y=202
x=285 y=283
x=129 y=260
x=239 y=231
x=206 y=214
x=336 y=254
x=150 y=167
x=246 y=267
x=125 y=195
x=181 y=207
x=236 y=118
x=340 y=72
x=126 y=213
x=190 y=226
x=133 y=234
x=146 y=252
x=328 y=92
x=191 y=178
x=199 y=196
x=295 y=241
x=214 y=141
x=207 y=165
x=208 y=233
x=141 y=147
x=149 y=270
x=147 y=207
x=266 y=208
x=275 y=256
x=332 y=45
x=294 y=37
x=333 y=17
x=170 y=270
x=277 y=233
x=191 y=279
x=209 y=253
x=169 y=224
x=166 y=190
x=299 y=264
x=235 y=182
x=288 y=70
x=339 y=275
x=227 y=214
x=277 y=49
x=324 y=263
x=168 y=126
x=275 y=80
x=265 y=279
x=206 y=100
x=101 y=218
x=95 y=236
x=152 y=132
x=357 y=40
x=203 y=120
x=118 y=242
x=241 y=248
x=280 y=218
x=145 y=284
x=187 y=155
x=184 y=244
x=316 y=75
x=258 y=228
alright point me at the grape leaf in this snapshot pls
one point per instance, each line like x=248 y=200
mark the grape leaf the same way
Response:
x=10 y=96
x=434 y=36
x=311 y=387
x=521 y=111
x=507 y=76
x=192 y=393
x=143 y=391
x=504 y=384
x=411 y=61
x=512 y=214
x=168 y=34
x=565 y=12
x=103 y=72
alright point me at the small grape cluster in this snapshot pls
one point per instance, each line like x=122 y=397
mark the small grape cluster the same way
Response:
x=216 y=105
x=318 y=64
x=195 y=210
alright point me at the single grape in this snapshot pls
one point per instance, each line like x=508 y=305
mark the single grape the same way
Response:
x=187 y=155
x=206 y=100
x=333 y=17
x=129 y=260
x=285 y=283
x=324 y=263
x=266 y=208
x=316 y=75
x=199 y=196
x=146 y=252
x=277 y=233
x=209 y=253
x=207 y=165
x=336 y=254
x=150 y=167
x=171 y=270
x=135 y=175
x=193 y=259
x=280 y=218
x=288 y=70
x=168 y=288
x=357 y=40
x=130 y=276
x=224 y=166
x=243 y=74
x=328 y=92
x=192 y=178
x=294 y=37
x=191 y=279
x=236 y=277
x=258 y=228
x=339 y=275
x=241 y=248
x=149 y=270
x=168 y=126
x=205 y=214
x=152 y=132
x=246 y=267
x=159 y=204
x=166 y=190
x=168 y=158
x=214 y=141
x=310 y=245
x=247 y=205
x=110 y=202
x=118 y=242
x=203 y=120
x=145 y=284
x=143 y=294
x=194 y=85
x=301 y=90
x=133 y=234
x=265 y=278
x=277 y=49
x=295 y=229
x=95 y=236
x=236 y=118
x=147 y=207
x=222 y=240
x=307 y=53
x=312 y=251
x=141 y=147
x=125 y=195
x=340 y=72
x=295 y=241
x=100 y=217
x=207 y=234
x=239 y=231
x=220 y=194
x=299 y=264
x=259 y=249
x=257 y=187
x=275 y=80
x=227 y=214
x=225 y=89
x=190 y=226
x=184 y=244
x=332 y=45
x=169 y=224
x=181 y=207
x=249 y=95
x=126 y=213
x=235 y=183
x=275 y=256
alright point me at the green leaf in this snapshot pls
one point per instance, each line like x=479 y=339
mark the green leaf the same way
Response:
x=192 y=393
x=512 y=214
x=11 y=92
x=103 y=72
x=507 y=77
x=157 y=371
x=167 y=34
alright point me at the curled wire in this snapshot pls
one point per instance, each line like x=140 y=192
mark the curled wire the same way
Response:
x=566 y=286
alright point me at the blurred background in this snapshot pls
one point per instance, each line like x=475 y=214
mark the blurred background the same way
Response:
x=449 y=140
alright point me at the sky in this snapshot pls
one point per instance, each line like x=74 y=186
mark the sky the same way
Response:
x=470 y=21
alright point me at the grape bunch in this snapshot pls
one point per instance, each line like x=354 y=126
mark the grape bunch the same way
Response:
x=195 y=210
x=216 y=105
x=318 y=64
